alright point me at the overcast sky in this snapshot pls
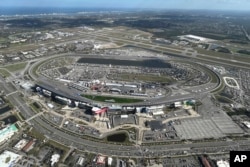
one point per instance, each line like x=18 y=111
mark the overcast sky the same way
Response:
x=164 y=4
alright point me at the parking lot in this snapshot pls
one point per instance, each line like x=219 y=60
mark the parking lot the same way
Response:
x=80 y=113
x=80 y=129
x=181 y=162
x=168 y=134
x=55 y=119
x=197 y=129
x=217 y=126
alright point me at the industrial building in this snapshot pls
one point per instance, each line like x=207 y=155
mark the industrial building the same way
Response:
x=222 y=163
x=7 y=133
x=101 y=160
x=28 y=146
x=195 y=39
x=80 y=161
x=110 y=160
x=247 y=124
x=54 y=159
x=97 y=110
x=12 y=158
x=19 y=146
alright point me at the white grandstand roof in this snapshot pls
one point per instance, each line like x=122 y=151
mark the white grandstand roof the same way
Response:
x=94 y=109
x=247 y=124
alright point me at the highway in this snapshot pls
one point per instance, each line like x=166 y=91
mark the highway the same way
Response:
x=69 y=139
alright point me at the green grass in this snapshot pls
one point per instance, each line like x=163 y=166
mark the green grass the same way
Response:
x=4 y=73
x=225 y=56
x=35 y=69
x=35 y=134
x=223 y=99
x=35 y=107
x=58 y=145
x=16 y=67
x=19 y=116
x=116 y=99
x=240 y=63
x=3 y=40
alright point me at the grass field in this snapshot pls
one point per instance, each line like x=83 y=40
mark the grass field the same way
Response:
x=223 y=99
x=4 y=73
x=16 y=67
x=225 y=56
x=115 y=99
x=3 y=40
x=35 y=107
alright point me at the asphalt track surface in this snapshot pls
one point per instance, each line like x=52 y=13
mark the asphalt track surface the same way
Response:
x=70 y=139
x=64 y=91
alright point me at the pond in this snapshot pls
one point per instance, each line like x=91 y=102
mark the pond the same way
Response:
x=120 y=137
x=9 y=120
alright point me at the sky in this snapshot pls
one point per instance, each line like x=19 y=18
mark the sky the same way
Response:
x=162 y=4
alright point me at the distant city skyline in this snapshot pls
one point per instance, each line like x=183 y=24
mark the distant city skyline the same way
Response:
x=159 y=4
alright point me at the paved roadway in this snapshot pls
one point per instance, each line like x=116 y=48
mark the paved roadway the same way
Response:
x=68 y=139
x=161 y=48
x=64 y=91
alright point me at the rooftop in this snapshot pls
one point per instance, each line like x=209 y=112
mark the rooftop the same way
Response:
x=7 y=132
x=8 y=159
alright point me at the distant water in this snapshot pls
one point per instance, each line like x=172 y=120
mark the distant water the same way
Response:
x=12 y=11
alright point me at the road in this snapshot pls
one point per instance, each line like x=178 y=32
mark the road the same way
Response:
x=74 y=140
x=64 y=91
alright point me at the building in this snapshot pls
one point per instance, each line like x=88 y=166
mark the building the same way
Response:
x=27 y=85
x=110 y=160
x=101 y=159
x=222 y=163
x=7 y=133
x=80 y=161
x=62 y=100
x=96 y=110
x=20 y=145
x=9 y=159
x=124 y=116
x=46 y=93
x=50 y=105
x=195 y=39
x=29 y=146
x=155 y=113
x=54 y=159
x=177 y=104
x=156 y=110
x=247 y=124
